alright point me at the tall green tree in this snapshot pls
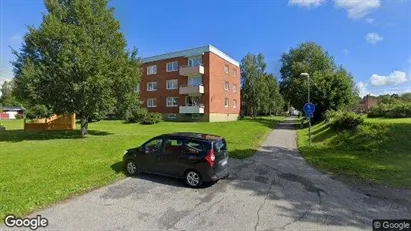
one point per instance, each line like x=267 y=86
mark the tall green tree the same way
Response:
x=252 y=69
x=406 y=97
x=76 y=61
x=387 y=99
x=7 y=97
x=332 y=87
x=275 y=101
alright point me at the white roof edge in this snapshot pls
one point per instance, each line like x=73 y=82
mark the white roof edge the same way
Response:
x=192 y=52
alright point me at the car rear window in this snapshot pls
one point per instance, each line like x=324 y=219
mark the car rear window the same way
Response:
x=220 y=146
x=195 y=147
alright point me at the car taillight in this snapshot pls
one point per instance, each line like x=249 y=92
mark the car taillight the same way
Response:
x=210 y=158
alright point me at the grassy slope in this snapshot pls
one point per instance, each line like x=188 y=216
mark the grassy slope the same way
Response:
x=379 y=152
x=40 y=169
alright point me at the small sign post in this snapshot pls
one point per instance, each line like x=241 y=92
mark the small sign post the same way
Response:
x=309 y=110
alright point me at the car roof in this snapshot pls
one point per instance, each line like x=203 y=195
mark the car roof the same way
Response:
x=193 y=135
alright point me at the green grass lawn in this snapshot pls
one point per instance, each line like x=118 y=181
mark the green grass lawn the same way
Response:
x=39 y=169
x=379 y=152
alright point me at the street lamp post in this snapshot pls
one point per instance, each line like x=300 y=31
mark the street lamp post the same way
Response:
x=309 y=119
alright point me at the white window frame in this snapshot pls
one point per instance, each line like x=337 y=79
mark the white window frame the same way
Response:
x=167 y=102
x=234 y=103
x=234 y=72
x=190 y=61
x=226 y=102
x=226 y=69
x=151 y=89
x=172 y=80
x=152 y=70
x=174 y=66
x=234 y=88
x=153 y=102
x=226 y=85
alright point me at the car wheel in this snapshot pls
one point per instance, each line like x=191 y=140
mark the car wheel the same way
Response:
x=193 y=178
x=131 y=168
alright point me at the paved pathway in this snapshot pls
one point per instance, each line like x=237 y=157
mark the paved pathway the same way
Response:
x=274 y=190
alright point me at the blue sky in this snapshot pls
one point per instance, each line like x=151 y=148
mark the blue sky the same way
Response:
x=371 y=38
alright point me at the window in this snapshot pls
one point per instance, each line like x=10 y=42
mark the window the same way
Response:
x=234 y=87
x=173 y=66
x=151 y=102
x=220 y=146
x=226 y=102
x=153 y=146
x=174 y=146
x=226 y=85
x=137 y=88
x=226 y=68
x=234 y=103
x=195 y=147
x=235 y=72
x=193 y=101
x=172 y=116
x=194 y=61
x=171 y=84
x=151 y=70
x=152 y=86
x=172 y=101
x=195 y=81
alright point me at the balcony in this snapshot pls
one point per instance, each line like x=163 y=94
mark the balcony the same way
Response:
x=192 y=70
x=191 y=109
x=192 y=90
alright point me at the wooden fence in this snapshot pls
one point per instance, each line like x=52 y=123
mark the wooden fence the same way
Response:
x=54 y=123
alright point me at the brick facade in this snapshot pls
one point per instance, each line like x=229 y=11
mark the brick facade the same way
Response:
x=213 y=80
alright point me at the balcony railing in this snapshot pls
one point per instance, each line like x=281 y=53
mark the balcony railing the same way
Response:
x=192 y=70
x=187 y=90
x=191 y=109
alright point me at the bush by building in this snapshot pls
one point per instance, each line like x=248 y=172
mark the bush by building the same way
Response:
x=142 y=116
x=152 y=118
x=398 y=110
x=19 y=116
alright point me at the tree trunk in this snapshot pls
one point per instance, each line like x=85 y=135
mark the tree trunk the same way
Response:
x=84 y=126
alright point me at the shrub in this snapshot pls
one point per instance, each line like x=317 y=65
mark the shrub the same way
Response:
x=399 y=110
x=19 y=116
x=152 y=118
x=142 y=116
x=136 y=116
x=38 y=111
x=329 y=115
x=342 y=121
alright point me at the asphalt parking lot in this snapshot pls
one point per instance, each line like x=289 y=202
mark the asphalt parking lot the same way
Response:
x=274 y=190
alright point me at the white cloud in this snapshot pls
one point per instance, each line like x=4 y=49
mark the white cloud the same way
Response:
x=369 y=20
x=362 y=88
x=16 y=38
x=395 y=78
x=391 y=91
x=373 y=38
x=346 y=51
x=358 y=8
x=365 y=89
x=306 y=3
x=6 y=70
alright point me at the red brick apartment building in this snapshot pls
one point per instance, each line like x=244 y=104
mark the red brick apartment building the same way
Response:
x=198 y=84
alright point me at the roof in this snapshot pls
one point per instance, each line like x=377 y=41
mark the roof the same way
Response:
x=11 y=108
x=201 y=136
x=192 y=52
